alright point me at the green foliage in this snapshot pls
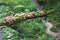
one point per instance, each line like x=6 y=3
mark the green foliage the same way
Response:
x=7 y=31
x=4 y=11
x=30 y=29
x=55 y=16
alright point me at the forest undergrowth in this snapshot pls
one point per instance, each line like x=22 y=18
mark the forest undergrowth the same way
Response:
x=32 y=29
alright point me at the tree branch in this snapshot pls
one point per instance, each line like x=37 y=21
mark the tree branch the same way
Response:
x=23 y=16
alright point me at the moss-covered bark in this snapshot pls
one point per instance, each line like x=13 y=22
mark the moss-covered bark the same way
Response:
x=23 y=16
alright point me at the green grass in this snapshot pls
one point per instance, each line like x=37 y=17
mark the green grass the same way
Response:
x=29 y=29
x=54 y=17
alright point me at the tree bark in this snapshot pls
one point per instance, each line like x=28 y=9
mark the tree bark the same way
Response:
x=22 y=16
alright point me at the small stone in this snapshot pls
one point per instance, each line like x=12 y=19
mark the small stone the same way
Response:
x=9 y=36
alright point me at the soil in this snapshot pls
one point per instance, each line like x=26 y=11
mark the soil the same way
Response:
x=39 y=7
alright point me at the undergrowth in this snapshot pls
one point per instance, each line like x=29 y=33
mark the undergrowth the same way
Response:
x=54 y=17
x=29 y=29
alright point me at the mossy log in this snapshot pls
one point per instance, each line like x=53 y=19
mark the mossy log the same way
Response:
x=22 y=16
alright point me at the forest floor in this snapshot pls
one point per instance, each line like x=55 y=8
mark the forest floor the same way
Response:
x=48 y=24
x=32 y=29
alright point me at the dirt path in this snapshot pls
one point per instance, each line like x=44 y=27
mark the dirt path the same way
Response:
x=39 y=7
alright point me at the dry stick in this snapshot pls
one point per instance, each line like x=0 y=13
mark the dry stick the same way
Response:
x=23 y=16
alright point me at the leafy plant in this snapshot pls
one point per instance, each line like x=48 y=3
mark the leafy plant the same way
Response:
x=30 y=29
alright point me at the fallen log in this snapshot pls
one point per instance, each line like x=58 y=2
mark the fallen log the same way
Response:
x=22 y=16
